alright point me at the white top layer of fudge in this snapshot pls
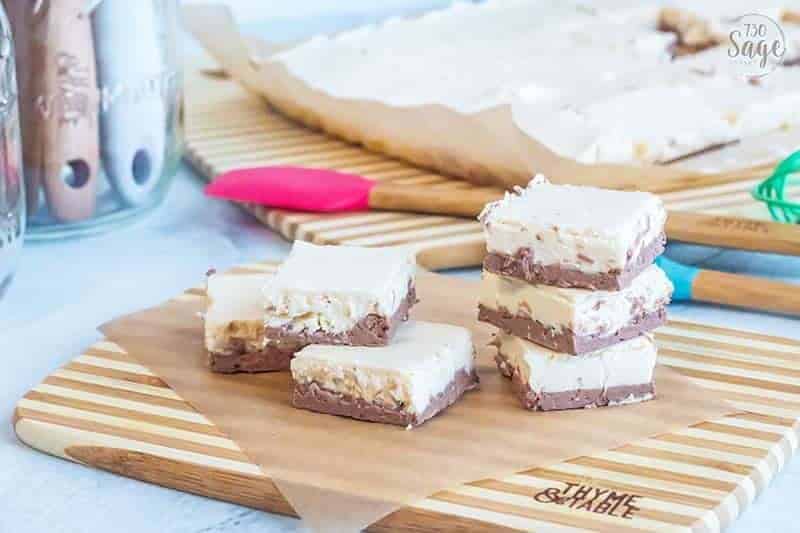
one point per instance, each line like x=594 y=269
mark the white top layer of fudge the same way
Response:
x=234 y=310
x=595 y=82
x=585 y=312
x=627 y=363
x=331 y=288
x=421 y=361
x=583 y=228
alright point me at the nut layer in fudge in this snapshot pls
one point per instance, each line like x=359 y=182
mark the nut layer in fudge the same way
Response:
x=234 y=326
x=575 y=320
x=426 y=368
x=545 y=380
x=339 y=295
x=571 y=236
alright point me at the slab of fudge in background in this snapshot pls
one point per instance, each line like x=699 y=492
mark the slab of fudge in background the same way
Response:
x=571 y=236
x=426 y=368
x=575 y=320
x=545 y=380
x=234 y=326
x=339 y=295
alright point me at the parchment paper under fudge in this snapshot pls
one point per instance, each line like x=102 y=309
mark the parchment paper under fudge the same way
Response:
x=545 y=380
x=339 y=295
x=571 y=236
x=426 y=368
x=575 y=320
x=234 y=325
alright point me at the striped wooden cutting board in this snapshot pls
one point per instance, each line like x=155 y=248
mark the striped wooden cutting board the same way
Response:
x=106 y=411
x=227 y=128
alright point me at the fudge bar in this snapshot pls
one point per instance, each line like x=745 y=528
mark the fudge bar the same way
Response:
x=571 y=236
x=545 y=380
x=234 y=326
x=575 y=320
x=426 y=368
x=339 y=295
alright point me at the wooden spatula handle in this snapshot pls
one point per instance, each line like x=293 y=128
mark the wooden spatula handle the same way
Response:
x=746 y=291
x=711 y=230
x=455 y=202
x=734 y=232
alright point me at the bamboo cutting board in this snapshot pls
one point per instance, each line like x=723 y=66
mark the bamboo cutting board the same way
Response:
x=228 y=128
x=106 y=411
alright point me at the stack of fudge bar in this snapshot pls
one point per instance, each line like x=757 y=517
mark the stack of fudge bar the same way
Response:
x=570 y=283
x=335 y=316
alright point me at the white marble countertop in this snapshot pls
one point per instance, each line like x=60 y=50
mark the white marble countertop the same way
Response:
x=64 y=290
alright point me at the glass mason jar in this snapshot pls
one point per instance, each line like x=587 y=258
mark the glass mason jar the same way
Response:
x=12 y=190
x=100 y=102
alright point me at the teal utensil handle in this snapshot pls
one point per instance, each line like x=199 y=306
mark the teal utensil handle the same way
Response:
x=682 y=277
x=694 y=284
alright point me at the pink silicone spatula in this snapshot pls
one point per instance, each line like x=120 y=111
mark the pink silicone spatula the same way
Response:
x=326 y=191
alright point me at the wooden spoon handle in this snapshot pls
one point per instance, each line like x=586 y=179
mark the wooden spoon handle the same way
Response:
x=746 y=291
x=734 y=232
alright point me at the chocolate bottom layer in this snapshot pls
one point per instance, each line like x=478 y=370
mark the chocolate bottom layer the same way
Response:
x=372 y=330
x=523 y=265
x=566 y=340
x=580 y=398
x=315 y=398
x=270 y=359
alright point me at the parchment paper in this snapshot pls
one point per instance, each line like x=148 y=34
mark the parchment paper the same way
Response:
x=341 y=474
x=485 y=147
